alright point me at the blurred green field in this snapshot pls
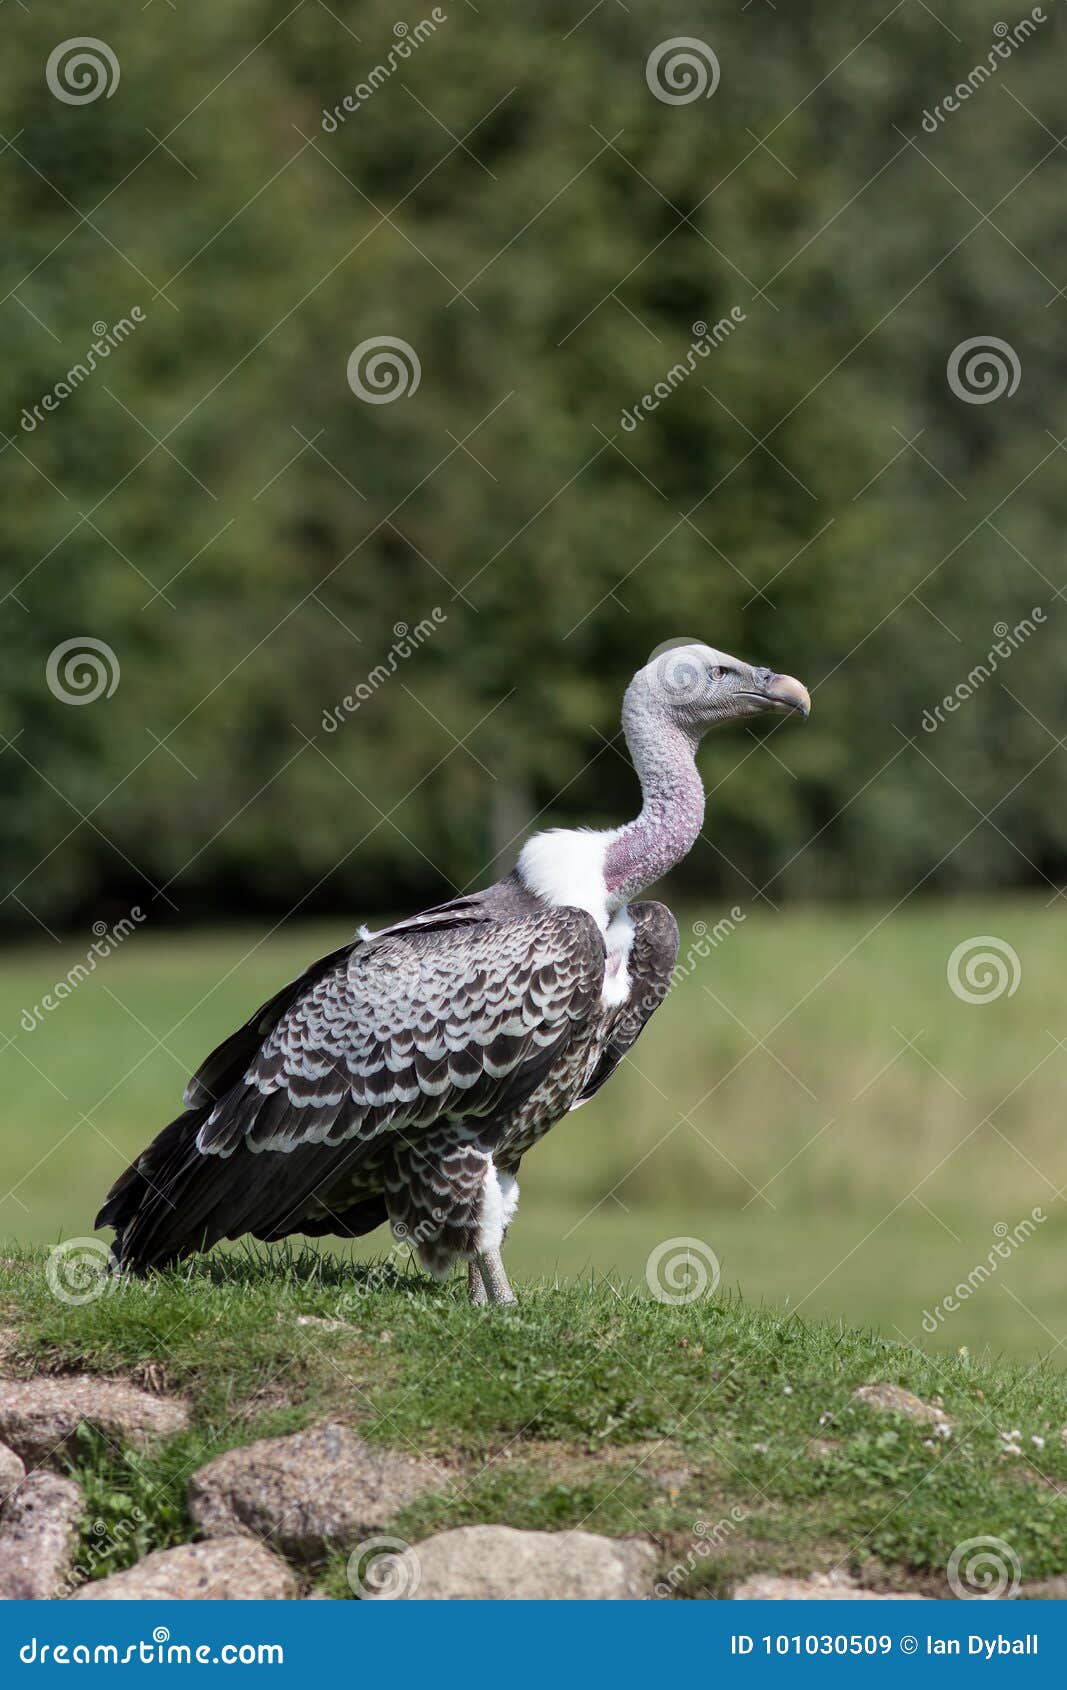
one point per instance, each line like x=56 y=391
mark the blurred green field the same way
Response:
x=813 y=1104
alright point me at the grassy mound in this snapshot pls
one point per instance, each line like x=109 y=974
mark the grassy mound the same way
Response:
x=727 y=1435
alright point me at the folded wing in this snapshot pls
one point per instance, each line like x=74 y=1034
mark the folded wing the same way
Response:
x=456 y=1014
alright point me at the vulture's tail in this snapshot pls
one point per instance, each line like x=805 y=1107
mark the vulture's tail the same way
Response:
x=174 y=1200
x=142 y=1202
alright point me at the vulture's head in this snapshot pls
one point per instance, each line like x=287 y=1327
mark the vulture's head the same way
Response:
x=696 y=687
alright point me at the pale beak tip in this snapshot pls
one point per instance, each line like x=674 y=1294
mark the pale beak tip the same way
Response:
x=791 y=694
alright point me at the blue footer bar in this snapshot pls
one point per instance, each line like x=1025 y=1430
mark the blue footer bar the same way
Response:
x=519 y=1644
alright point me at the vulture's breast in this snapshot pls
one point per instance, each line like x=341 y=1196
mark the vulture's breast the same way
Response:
x=618 y=941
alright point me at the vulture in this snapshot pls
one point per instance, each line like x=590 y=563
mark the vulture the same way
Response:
x=402 y=1078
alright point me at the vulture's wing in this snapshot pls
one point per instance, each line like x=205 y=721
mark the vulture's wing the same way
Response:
x=226 y=1064
x=415 y=1024
x=224 y=1067
x=653 y=954
x=450 y=1015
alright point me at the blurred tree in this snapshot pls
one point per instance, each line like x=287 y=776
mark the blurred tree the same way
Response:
x=251 y=538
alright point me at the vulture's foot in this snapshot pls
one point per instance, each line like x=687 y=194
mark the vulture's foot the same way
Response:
x=489 y=1268
x=476 y=1292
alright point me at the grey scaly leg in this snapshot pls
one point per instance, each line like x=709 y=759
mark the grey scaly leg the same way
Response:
x=475 y=1285
x=494 y=1279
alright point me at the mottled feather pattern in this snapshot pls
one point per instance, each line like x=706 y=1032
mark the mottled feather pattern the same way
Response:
x=413 y=1026
x=390 y=1080
x=652 y=960
x=587 y=1066
x=404 y=1076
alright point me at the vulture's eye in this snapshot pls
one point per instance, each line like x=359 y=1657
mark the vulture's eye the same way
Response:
x=717 y=672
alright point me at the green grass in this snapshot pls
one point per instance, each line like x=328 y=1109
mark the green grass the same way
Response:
x=711 y=1421
x=773 y=1109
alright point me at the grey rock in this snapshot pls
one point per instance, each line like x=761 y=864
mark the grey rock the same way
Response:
x=38 y=1537
x=499 y=1564
x=12 y=1473
x=39 y=1417
x=818 y=1587
x=226 y=1569
x=306 y=1492
x=894 y=1399
x=8 y=1341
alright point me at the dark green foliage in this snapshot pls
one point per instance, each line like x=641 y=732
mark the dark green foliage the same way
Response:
x=590 y=230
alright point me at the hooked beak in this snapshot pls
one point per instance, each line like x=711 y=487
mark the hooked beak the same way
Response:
x=783 y=693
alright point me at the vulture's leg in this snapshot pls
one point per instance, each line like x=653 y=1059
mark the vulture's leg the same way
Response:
x=476 y=1292
x=495 y=1281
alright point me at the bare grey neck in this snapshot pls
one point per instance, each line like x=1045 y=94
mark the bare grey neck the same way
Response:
x=672 y=811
